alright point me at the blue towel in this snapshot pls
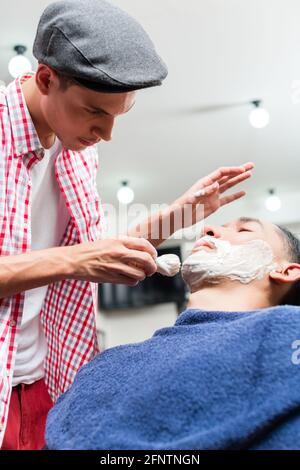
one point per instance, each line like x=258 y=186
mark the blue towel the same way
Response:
x=214 y=380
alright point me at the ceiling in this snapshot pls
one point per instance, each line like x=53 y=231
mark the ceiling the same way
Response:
x=217 y=52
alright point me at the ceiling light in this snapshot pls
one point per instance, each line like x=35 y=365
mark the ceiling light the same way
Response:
x=273 y=202
x=125 y=194
x=259 y=116
x=19 y=64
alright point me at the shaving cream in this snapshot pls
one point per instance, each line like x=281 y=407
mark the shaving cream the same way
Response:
x=244 y=263
x=168 y=265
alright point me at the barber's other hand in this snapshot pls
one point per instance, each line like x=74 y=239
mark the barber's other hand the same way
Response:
x=124 y=260
x=208 y=191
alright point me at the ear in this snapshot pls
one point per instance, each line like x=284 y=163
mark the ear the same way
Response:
x=45 y=77
x=287 y=273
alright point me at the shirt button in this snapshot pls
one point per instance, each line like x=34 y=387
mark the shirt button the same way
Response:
x=40 y=154
x=12 y=323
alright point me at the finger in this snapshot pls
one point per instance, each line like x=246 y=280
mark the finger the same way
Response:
x=141 y=244
x=217 y=175
x=248 y=166
x=234 y=181
x=130 y=271
x=121 y=279
x=141 y=260
x=230 y=171
x=206 y=191
x=232 y=197
x=227 y=178
x=220 y=176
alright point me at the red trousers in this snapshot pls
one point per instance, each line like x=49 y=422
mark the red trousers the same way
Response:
x=28 y=409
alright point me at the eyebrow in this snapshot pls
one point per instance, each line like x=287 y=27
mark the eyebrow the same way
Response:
x=245 y=220
x=100 y=110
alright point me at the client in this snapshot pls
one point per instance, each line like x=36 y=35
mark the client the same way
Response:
x=225 y=376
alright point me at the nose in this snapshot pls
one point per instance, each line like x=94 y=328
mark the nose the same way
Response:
x=212 y=231
x=104 y=132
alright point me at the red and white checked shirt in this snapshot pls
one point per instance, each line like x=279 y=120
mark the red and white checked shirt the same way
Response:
x=69 y=312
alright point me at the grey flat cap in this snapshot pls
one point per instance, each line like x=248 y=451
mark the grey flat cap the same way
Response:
x=99 y=45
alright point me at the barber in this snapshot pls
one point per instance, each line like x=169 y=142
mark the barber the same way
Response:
x=92 y=59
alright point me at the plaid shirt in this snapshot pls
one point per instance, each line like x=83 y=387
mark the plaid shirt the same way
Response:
x=69 y=311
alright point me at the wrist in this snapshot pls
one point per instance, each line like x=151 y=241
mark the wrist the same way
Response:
x=64 y=258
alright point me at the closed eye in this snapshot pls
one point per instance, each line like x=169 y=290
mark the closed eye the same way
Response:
x=244 y=230
x=93 y=111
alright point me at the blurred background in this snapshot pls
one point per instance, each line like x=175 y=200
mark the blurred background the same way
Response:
x=226 y=59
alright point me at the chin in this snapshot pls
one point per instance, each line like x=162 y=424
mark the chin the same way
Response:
x=75 y=147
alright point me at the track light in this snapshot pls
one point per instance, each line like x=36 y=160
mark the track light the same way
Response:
x=125 y=194
x=19 y=64
x=273 y=202
x=259 y=116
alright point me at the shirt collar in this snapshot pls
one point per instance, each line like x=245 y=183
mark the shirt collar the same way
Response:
x=25 y=136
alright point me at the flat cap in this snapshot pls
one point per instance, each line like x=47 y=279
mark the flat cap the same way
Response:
x=99 y=45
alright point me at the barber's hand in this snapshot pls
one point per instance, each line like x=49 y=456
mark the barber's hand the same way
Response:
x=209 y=191
x=124 y=260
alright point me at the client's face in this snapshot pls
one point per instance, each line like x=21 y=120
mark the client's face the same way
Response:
x=244 y=250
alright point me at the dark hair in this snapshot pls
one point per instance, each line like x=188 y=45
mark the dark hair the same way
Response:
x=65 y=82
x=293 y=250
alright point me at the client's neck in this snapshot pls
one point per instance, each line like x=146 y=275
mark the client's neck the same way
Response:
x=229 y=296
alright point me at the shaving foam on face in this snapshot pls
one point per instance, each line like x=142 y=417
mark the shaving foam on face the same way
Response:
x=244 y=263
x=168 y=265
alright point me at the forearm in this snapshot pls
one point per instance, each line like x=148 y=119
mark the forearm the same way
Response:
x=22 y=272
x=157 y=228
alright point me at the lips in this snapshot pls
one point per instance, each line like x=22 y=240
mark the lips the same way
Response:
x=88 y=143
x=203 y=244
